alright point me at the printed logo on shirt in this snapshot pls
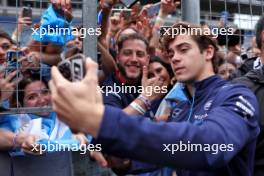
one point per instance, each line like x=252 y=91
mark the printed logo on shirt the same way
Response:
x=175 y=113
x=200 y=117
x=243 y=106
x=208 y=105
x=257 y=64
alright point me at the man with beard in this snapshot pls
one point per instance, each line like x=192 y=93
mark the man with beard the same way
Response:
x=124 y=86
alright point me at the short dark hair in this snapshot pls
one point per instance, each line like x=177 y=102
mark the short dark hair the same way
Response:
x=259 y=29
x=5 y=35
x=135 y=36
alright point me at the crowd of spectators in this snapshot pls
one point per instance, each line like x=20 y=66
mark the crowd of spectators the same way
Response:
x=130 y=56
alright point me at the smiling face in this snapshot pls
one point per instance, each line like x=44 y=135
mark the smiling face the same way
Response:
x=36 y=94
x=189 y=64
x=131 y=58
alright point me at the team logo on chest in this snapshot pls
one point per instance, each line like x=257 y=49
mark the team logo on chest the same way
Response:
x=176 y=112
x=208 y=105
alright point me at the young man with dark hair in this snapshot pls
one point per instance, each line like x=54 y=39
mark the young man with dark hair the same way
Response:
x=254 y=80
x=132 y=56
x=213 y=133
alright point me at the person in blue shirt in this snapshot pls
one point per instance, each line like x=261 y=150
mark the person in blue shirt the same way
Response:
x=22 y=134
x=213 y=133
x=123 y=88
x=127 y=85
x=33 y=92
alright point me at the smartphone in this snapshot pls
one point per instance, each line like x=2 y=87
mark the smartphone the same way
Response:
x=78 y=70
x=73 y=68
x=244 y=56
x=65 y=69
x=27 y=12
x=13 y=64
x=13 y=55
x=154 y=9
x=129 y=3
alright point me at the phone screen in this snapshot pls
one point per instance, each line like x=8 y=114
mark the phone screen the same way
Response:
x=73 y=68
x=13 y=55
x=78 y=68
x=129 y=3
x=27 y=12
x=13 y=65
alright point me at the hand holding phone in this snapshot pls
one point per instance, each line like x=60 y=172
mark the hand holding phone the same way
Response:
x=27 y=12
x=73 y=68
x=13 y=64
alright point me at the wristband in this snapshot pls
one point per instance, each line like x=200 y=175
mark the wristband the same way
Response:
x=145 y=101
x=138 y=108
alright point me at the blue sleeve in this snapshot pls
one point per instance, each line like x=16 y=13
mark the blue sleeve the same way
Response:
x=5 y=104
x=138 y=167
x=233 y=122
x=112 y=99
x=8 y=122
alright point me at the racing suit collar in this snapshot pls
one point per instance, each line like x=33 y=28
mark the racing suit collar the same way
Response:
x=200 y=85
